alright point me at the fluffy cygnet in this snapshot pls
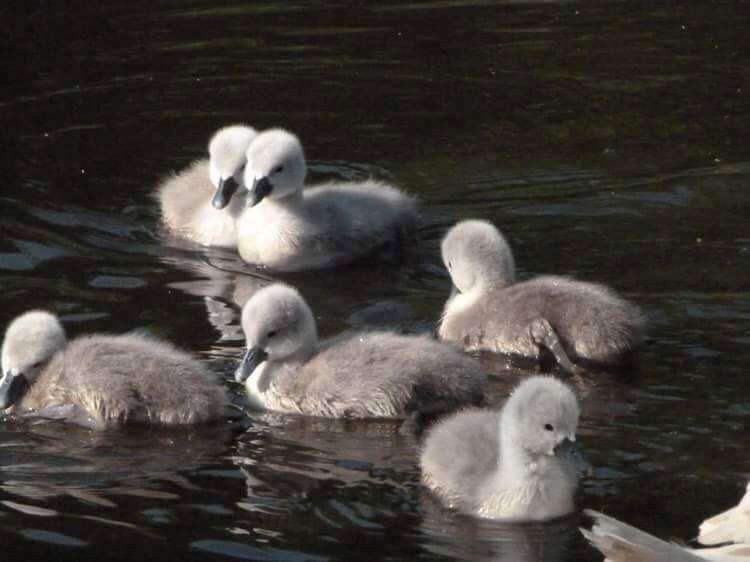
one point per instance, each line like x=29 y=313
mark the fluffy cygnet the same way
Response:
x=732 y=525
x=620 y=542
x=203 y=201
x=578 y=322
x=512 y=465
x=288 y=228
x=355 y=375
x=102 y=380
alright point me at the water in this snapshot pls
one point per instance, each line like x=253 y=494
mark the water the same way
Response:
x=607 y=139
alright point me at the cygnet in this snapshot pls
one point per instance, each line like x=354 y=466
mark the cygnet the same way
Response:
x=732 y=525
x=101 y=380
x=202 y=202
x=291 y=228
x=620 y=542
x=355 y=375
x=577 y=322
x=512 y=465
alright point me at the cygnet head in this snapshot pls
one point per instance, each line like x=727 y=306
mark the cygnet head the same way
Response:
x=477 y=256
x=540 y=417
x=278 y=325
x=276 y=166
x=30 y=341
x=227 y=157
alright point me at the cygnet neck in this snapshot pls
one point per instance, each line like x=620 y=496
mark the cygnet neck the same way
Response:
x=305 y=352
x=237 y=204
x=516 y=463
x=289 y=201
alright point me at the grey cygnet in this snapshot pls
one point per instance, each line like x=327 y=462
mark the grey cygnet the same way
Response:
x=355 y=375
x=511 y=465
x=101 y=380
x=577 y=322
x=204 y=201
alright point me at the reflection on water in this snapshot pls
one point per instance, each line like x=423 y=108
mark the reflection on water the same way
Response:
x=606 y=139
x=463 y=538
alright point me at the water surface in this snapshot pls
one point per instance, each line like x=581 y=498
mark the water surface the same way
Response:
x=607 y=139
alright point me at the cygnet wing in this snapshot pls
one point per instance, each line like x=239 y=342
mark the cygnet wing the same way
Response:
x=732 y=525
x=460 y=453
x=378 y=373
x=184 y=194
x=620 y=542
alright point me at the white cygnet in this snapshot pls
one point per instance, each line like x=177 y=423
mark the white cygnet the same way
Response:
x=512 y=465
x=620 y=542
x=102 y=380
x=355 y=375
x=288 y=228
x=732 y=525
x=577 y=322
x=202 y=202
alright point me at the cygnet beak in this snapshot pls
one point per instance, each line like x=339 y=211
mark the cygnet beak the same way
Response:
x=261 y=188
x=224 y=192
x=454 y=291
x=253 y=357
x=564 y=446
x=12 y=387
x=567 y=448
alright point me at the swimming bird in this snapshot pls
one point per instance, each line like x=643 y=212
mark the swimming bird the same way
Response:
x=288 y=227
x=511 y=465
x=620 y=542
x=577 y=322
x=203 y=202
x=355 y=375
x=102 y=380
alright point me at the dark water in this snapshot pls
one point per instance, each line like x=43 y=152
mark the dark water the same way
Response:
x=607 y=139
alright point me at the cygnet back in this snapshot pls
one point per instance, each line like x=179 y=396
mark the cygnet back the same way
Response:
x=577 y=322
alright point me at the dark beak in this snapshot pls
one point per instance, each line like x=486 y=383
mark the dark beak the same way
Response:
x=569 y=449
x=224 y=193
x=12 y=388
x=260 y=189
x=253 y=357
x=454 y=291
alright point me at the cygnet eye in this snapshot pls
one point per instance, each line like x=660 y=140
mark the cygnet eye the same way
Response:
x=37 y=364
x=450 y=265
x=271 y=334
x=278 y=169
x=549 y=427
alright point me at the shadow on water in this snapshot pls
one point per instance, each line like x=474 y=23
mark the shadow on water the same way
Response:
x=606 y=139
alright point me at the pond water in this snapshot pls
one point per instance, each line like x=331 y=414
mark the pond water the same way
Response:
x=607 y=139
